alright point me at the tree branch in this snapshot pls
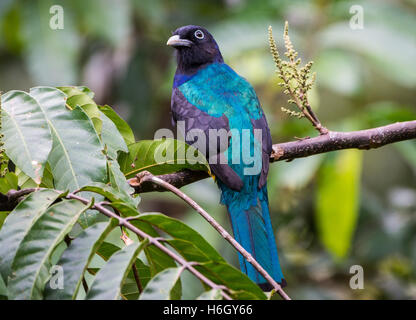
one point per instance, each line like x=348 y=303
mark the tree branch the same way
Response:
x=177 y=179
x=147 y=176
x=331 y=141
x=10 y=200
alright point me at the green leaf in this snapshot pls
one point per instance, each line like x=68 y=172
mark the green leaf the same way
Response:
x=79 y=96
x=158 y=260
x=190 y=251
x=245 y=295
x=129 y=290
x=3 y=216
x=107 y=249
x=193 y=247
x=111 y=194
x=121 y=125
x=47 y=179
x=224 y=274
x=76 y=258
x=18 y=224
x=118 y=180
x=76 y=158
x=180 y=231
x=112 y=138
x=337 y=201
x=213 y=294
x=109 y=280
x=161 y=157
x=25 y=181
x=3 y=288
x=86 y=90
x=91 y=216
x=8 y=182
x=160 y=287
x=27 y=138
x=30 y=268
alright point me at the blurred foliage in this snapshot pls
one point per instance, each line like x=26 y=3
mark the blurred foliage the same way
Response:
x=365 y=78
x=337 y=200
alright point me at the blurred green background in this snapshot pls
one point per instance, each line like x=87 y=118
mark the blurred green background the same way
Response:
x=332 y=211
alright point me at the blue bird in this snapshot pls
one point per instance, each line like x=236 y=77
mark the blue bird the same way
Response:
x=208 y=95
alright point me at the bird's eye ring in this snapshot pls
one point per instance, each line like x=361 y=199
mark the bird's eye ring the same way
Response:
x=199 y=34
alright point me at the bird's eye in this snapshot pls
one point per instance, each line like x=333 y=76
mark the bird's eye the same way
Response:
x=199 y=34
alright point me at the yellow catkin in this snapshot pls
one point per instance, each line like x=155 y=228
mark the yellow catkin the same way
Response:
x=274 y=51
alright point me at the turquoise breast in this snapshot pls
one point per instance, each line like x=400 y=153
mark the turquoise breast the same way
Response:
x=218 y=90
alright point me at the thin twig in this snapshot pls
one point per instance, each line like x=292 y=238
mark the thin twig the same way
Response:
x=127 y=241
x=153 y=241
x=148 y=176
x=137 y=278
x=84 y=284
x=309 y=114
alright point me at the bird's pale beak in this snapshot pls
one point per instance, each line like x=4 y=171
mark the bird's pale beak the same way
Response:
x=176 y=41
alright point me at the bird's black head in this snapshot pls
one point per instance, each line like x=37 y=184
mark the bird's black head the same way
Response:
x=195 y=47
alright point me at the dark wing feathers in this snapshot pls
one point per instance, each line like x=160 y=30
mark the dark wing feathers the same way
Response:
x=267 y=145
x=194 y=118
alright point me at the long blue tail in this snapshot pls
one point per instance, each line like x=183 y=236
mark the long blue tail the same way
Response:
x=253 y=230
